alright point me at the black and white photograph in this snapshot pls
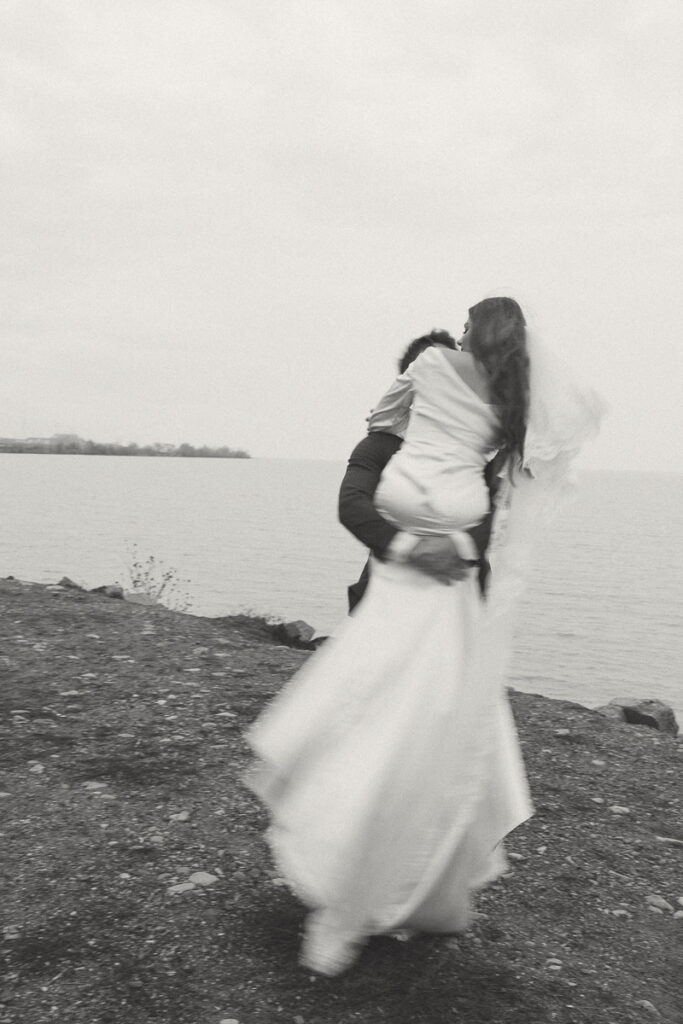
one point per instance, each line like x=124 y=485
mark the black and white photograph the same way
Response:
x=341 y=505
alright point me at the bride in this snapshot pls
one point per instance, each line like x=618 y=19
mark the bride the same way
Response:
x=390 y=763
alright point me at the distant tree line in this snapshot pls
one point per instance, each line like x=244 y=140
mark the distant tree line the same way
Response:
x=70 y=444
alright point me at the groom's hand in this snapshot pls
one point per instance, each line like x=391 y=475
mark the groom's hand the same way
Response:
x=438 y=557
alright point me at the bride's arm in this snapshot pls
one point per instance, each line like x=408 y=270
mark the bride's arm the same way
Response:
x=392 y=412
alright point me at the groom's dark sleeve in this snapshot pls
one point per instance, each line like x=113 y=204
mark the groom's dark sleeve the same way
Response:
x=357 y=511
x=356 y=508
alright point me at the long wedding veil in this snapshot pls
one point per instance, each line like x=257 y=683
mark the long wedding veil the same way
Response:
x=564 y=414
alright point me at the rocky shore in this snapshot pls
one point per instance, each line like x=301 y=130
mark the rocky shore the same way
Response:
x=136 y=886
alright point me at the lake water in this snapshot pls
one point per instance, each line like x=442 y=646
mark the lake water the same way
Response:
x=603 y=616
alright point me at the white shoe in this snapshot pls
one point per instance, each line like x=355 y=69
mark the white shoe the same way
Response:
x=327 y=949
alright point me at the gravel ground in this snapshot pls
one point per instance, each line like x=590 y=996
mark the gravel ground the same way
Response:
x=136 y=886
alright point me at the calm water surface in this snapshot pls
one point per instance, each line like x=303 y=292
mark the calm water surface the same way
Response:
x=603 y=616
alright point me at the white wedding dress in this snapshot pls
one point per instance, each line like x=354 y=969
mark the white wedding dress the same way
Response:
x=390 y=763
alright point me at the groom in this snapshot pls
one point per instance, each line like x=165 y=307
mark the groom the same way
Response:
x=436 y=556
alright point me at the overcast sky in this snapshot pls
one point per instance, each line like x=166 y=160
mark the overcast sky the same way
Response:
x=222 y=220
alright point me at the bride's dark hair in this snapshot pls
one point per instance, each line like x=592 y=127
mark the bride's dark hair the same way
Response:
x=497 y=339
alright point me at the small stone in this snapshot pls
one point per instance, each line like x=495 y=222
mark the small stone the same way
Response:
x=37 y=769
x=70 y=693
x=617 y=809
x=563 y=732
x=181 y=887
x=10 y=932
x=679 y=901
x=298 y=1019
x=94 y=785
x=66 y=582
x=554 y=960
x=516 y=856
x=598 y=763
x=659 y=901
x=620 y=913
x=156 y=839
x=203 y=878
x=3 y=795
x=679 y=915
x=597 y=800
x=669 y=840
x=645 y=1004
x=180 y=816
x=656 y=910
x=541 y=849
x=229 y=1020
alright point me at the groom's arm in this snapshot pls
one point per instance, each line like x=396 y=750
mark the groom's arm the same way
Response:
x=356 y=508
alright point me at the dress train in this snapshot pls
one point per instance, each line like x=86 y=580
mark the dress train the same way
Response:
x=390 y=766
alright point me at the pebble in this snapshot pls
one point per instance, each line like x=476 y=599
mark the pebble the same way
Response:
x=229 y=1020
x=3 y=795
x=658 y=902
x=563 y=732
x=679 y=901
x=180 y=816
x=203 y=878
x=541 y=849
x=617 y=809
x=94 y=785
x=620 y=913
x=157 y=839
x=669 y=840
x=516 y=856
x=597 y=800
x=679 y=915
x=37 y=769
x=645 y=1004
x=181 y=887
x=598 y=763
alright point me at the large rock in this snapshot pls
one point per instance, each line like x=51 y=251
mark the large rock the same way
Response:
x=110 y=590
x=66 y=582
x=299 y=631
x=654 y=713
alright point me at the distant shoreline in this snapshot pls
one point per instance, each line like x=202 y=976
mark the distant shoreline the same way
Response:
x=70 y=444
